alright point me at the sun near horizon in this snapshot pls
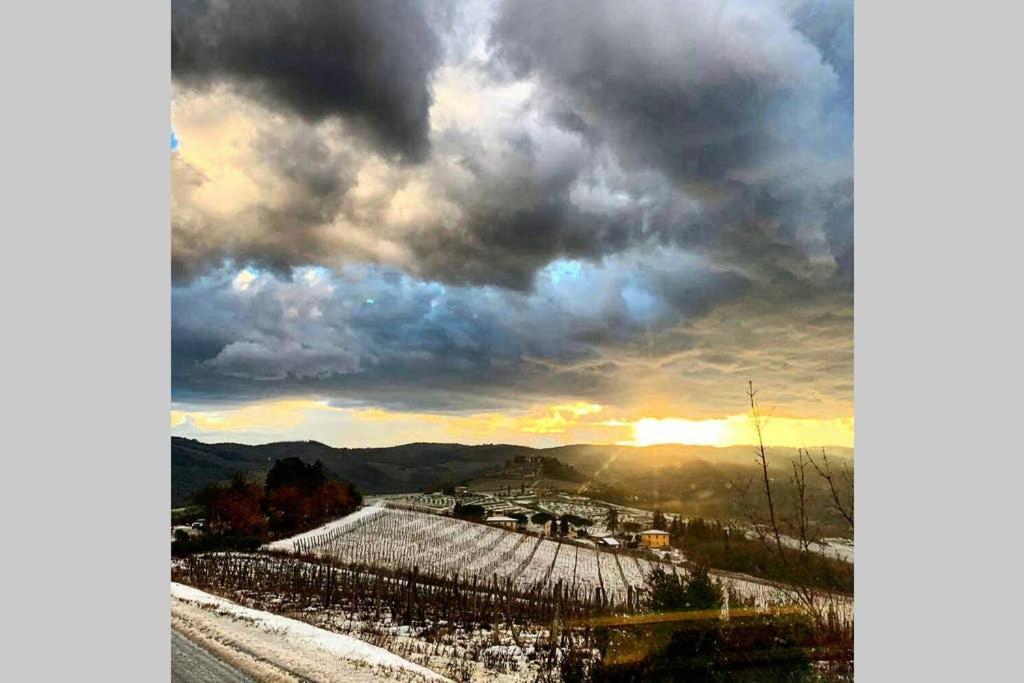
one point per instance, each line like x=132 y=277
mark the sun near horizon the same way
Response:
x=540 y=427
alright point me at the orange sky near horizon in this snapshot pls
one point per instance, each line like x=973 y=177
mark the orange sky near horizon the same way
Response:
x=539 y=426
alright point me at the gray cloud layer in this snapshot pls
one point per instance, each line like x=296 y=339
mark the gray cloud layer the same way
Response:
x=734 y=107
x=684 y=158
x=377 y=336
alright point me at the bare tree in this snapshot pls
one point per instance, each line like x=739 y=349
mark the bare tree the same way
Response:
x=840 y=484
x=767 y=519
x=799 y=522
x=762 y=459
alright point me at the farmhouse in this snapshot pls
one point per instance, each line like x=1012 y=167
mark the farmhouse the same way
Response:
x=503 y=522
x=654 y=538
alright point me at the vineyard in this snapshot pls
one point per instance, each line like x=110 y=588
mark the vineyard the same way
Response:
x=472 y=601
x=433 y=544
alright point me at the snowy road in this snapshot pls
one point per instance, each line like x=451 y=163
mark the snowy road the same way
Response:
x=192 y=664
x=259 y=646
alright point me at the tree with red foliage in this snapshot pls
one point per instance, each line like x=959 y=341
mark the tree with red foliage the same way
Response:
x=300 y=496
x=235 y=508
x=288 y=507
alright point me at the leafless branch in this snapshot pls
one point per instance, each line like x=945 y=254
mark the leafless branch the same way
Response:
x=762 y=458
x=799 y=524
x=844 y=509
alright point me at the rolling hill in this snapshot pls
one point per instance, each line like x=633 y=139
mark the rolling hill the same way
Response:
x=416 y=466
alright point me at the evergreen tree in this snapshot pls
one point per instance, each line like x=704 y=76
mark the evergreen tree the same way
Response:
x=675 y=530
x=659 y=520
x=612 y=520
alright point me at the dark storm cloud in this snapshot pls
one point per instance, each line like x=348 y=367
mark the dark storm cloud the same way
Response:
x=714 y=127
x=366 y=60
x=669 y=81
x=517 y=215
x=668 y=198
x=734 y=104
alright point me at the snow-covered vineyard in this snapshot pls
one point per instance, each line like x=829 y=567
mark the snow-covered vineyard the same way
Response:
x=397 y=539
x=403 y=539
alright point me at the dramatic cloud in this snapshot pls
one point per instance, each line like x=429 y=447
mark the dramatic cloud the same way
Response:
x=491 y=206
x=368 y=60
x=640 y=327
x=730 y=100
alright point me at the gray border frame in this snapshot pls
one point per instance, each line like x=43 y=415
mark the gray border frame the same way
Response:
x=937 y=337
x=86 y=348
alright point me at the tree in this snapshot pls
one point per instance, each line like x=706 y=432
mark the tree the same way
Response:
x=675 y=530
x=612 y=519
x=336 y=499
x=659 y=520
x=669 y=592
x=542 y=518
x=798 y=522
x=767 y=519
x=234 y=509
x=701 y=591
x=840 y=484
x=288 y=508
x=576 y=520
x=563 y=527
x=300 y=495
x=295 y=472
x=476 y=512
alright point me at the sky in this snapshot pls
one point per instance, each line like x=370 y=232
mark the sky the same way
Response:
x=528 y=222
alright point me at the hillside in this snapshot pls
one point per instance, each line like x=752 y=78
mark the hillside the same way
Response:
x=416 y=466
x=373 y=470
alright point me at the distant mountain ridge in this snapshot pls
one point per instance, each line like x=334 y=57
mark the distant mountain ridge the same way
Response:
x=410 y=467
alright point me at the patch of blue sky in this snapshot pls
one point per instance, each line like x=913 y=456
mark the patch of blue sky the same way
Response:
x=175 y=142
x=311 y=274
x=563 y=269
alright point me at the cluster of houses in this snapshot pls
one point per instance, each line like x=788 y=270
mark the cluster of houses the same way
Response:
x=654 y=539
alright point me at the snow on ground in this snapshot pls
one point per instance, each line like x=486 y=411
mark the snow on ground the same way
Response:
x=403 y=539
x=292 y=649
x=288 y=543
x=836 y=548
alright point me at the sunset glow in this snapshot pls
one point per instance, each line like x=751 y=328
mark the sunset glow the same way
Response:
x=650 y=431
x=479 y=233
x=538 y=426
x=738 y=430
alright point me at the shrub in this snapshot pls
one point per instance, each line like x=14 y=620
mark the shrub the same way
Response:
x=668 y=592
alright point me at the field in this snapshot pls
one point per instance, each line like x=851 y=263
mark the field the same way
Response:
x=528 y=502
x=404 y=539
x=466 y=600
x=436 y=545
